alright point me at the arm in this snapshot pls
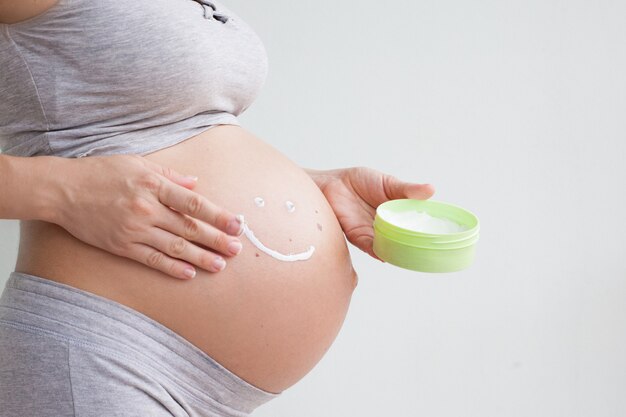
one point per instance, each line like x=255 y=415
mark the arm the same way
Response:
x=123 y=204
x=26 y=189
x=13 y=11
x=24 y=194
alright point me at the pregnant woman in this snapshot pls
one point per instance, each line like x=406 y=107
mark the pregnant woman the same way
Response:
x=105 y=107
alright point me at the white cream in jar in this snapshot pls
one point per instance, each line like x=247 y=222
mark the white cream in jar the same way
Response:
x=420 y=221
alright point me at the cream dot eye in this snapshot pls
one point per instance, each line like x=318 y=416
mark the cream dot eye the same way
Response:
x=290 y=206
x=259 y=202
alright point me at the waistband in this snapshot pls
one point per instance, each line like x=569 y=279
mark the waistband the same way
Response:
x=71 y=313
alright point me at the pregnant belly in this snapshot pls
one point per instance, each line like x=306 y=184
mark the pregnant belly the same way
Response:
x=267 y=320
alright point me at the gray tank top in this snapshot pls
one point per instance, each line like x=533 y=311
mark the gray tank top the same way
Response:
x=119 y=77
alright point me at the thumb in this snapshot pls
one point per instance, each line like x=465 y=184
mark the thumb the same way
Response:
x=396 y=189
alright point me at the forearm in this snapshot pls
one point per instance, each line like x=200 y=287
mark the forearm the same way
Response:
x=27 y=187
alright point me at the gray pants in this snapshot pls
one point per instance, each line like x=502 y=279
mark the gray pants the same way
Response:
x=67 y=352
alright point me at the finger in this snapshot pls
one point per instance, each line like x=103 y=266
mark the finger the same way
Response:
x=197 y=206
x=156 y=259
x=365 y=242
x=171 y=174
x=179 y=248
x=373 y=255
x=367 y=246
x=396 y=189
x=193 y=230
x=419 y=191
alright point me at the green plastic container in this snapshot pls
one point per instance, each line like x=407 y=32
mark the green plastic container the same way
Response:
x=426 y=252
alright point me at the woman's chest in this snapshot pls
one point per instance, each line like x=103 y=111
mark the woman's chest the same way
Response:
x=146 y=52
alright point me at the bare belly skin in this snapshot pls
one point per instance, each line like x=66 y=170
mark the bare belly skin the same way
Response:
x=268 y=321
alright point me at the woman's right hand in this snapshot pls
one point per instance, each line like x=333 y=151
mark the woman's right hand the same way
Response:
x=135 y=208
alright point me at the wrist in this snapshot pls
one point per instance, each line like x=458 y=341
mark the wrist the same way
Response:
x=54 y=178
x=25 y=187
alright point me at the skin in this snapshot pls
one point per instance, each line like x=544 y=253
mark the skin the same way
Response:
x=354 y=193
x=13 y=11
x=139 y=210
x=265 y=320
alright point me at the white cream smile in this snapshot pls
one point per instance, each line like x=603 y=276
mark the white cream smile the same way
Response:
x=302 y=256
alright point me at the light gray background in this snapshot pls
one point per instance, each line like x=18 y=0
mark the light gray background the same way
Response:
x=515 y=110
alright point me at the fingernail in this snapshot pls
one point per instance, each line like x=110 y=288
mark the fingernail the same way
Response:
x=234 y=247
x=189 y=272
x=219 y=263
x=236 y=226
x=192 y=177
x=240 y=220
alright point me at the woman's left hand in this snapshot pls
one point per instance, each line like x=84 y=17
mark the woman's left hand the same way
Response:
x=354 y=193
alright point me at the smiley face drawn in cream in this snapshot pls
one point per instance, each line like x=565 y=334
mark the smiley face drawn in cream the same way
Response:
x=302 y=256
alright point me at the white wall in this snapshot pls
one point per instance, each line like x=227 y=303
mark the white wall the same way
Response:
x=515 y=110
